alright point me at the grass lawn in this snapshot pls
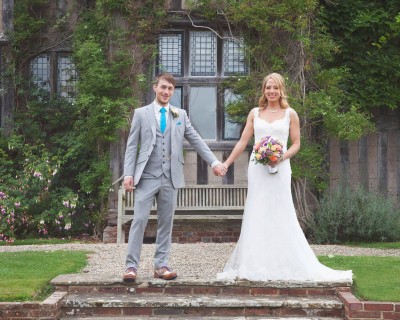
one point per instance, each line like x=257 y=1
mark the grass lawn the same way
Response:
x=25 y=276
x=41 y=241
x=374 y=278
x=375 y=245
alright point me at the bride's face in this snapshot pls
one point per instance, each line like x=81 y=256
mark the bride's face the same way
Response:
x=271 y=91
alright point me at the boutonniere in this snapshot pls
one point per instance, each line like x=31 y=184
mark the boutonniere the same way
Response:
x=175 y=112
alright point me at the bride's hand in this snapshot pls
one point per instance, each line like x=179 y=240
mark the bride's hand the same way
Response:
x=273 y=165
x=281 y=159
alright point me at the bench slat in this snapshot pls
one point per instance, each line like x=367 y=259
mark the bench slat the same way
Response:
x=191 y=198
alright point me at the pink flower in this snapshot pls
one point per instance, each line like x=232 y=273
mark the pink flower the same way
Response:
x=37 y=174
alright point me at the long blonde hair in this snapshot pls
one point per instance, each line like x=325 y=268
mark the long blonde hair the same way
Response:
x=263 y=102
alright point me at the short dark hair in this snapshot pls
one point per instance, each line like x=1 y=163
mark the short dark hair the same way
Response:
x=165 y=76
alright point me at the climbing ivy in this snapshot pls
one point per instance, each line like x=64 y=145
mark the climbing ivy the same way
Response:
x=111 y=41
x=367 y=34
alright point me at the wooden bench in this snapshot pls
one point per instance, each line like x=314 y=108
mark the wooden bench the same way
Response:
x=202 y=200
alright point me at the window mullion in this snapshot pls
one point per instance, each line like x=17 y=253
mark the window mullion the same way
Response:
x=53 y=74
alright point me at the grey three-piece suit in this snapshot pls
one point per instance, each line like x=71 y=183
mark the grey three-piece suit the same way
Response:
x=155 y=161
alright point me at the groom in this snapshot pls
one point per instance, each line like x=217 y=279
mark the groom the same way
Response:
x=154 y=169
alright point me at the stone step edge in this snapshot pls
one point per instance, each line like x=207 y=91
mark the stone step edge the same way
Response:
x=81 y=279
x=197 y=318
x=199 y=291
x=187 y=301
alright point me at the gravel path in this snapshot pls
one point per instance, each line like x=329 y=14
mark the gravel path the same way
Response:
x=202 y=260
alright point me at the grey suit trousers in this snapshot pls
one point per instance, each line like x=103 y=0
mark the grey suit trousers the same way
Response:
x=166 y=195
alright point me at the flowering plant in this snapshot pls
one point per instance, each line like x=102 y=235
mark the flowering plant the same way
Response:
x=268 y=151
x=175 y=112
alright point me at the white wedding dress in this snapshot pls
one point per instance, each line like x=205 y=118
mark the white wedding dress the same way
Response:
x=272 y=245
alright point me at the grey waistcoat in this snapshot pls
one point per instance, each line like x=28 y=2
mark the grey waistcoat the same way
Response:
x=160 y=159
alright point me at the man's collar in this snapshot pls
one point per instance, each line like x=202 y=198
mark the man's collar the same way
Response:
x=158 y=107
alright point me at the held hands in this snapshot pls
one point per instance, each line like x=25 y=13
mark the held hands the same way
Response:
x=220 y=169
x=128 y=183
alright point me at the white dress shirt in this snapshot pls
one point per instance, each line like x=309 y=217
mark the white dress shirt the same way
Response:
x=157 y=112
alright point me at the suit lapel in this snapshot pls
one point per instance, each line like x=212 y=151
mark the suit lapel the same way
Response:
x=152 y=118
x=172 y=120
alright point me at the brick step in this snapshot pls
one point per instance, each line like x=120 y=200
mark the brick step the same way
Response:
x=180 y=306
x=83 y=283
x=195 y=318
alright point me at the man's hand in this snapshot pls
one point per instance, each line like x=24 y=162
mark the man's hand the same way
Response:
x=128 y=183
x=220 y=170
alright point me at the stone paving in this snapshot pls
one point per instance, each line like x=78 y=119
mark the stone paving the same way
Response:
x=196 y=260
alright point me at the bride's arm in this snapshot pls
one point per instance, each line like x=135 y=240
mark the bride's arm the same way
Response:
x=294 y=132
x=241 y=145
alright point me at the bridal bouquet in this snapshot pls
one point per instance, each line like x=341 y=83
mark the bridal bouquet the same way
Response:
x=268 y=151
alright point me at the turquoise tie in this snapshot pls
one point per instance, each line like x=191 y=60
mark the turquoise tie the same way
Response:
x=163 y=120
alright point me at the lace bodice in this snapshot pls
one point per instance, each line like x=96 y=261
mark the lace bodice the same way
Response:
x=278 y=128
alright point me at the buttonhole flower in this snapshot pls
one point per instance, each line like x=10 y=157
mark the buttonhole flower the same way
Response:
x=175 y=112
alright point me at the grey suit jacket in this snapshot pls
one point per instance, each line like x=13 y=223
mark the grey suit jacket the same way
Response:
x=142 y=137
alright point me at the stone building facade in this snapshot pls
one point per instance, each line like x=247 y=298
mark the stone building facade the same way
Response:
x=372 y=162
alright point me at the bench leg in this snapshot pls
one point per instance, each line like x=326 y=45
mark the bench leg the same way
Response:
x=121 y=207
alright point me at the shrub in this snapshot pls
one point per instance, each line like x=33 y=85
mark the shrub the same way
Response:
x=355 y=215
x=30 y=203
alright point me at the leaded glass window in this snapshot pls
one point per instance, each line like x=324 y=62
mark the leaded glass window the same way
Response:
x=170 y=53
x=234 y=60
x=199 y=60
x=176 y=99
x=231 y=129
x=203 y=53
x=66 y=77
x=40 y=70
x=202 y=107
x=56 y=74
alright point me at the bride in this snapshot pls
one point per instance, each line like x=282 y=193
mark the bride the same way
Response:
x=272 y=245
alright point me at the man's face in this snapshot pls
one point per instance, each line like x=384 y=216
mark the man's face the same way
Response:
x=164 y=91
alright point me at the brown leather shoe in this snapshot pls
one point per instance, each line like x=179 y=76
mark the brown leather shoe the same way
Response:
x=130 y=274
x=165 y=273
